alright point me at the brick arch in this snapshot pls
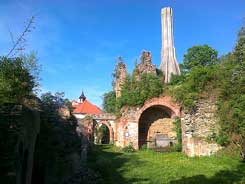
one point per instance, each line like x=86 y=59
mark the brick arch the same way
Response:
x=161 y=107
x=166 y=101
x=106 y=123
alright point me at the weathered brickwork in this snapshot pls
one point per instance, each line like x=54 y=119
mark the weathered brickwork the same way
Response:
x=143 y=125
x=120 y=76
x=197 y=127
x=145 y=66
x=135 y=119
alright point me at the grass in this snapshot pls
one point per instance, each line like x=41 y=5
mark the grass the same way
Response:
x=148 y=167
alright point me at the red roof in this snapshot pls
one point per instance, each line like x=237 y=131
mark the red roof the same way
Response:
x=86 y=108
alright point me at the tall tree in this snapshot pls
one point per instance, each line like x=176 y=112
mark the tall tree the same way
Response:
x=200 y=55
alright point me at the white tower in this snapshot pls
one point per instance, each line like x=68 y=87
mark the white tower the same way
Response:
x=169 y=64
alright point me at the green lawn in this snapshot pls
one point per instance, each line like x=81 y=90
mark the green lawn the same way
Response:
x=156 y=168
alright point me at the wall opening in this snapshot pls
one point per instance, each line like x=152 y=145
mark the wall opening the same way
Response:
x=156 y=128
x=102 y=134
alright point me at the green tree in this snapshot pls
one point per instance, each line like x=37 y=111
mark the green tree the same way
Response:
x=241 y=33
x=239 y=51
x=109 y=102
x=16 y=81
x=59 y=137
x=201 y=55
x=232 y=97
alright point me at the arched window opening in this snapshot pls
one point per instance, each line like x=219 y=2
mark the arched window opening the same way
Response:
x=102 y=134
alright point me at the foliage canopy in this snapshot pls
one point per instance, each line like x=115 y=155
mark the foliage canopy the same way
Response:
x=201 y=55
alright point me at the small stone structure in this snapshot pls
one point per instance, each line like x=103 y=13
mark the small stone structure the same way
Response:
x=161 y=133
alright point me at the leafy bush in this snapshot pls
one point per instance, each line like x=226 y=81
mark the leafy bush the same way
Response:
x=178 y=146
x=143 y=147
x=231 y=98
x=59 y=137
x=129 y=148
x=193 y=83
x=136 y=92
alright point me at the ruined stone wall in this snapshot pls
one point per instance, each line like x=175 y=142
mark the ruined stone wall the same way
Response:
x=145 y=66
x=127 y=128
x=120 y=76
x=198 y=127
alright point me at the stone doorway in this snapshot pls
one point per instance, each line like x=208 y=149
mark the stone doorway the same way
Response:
x=156 y=128
x=102 y=134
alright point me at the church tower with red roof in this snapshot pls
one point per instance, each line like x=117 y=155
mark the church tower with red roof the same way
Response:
x=84 y=107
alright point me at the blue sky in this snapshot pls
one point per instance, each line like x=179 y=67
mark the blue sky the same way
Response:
x=77 y=41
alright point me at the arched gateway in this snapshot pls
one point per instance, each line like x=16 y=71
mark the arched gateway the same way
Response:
x=155 y=122
x=107 y=124
x=152 y=124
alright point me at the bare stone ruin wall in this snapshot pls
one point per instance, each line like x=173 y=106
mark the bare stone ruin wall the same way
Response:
x=121 y=74
x=197 y=127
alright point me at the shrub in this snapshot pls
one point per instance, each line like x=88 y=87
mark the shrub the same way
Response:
x=144 y=147
x=178 y=146
x=129 y=148
x=134 y=92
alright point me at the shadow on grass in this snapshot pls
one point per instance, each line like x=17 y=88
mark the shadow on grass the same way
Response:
x=108 y=164
x=222 y=177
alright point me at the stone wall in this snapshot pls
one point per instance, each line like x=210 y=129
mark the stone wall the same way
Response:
x=145 y=66
x=162 y=127
x=132 y=119
x=120 y=76
x=198 y=127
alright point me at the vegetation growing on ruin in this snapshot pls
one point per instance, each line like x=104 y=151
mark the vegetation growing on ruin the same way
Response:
x=204 y=75
x=134 y=92
x=222 y=79
x=178 y=131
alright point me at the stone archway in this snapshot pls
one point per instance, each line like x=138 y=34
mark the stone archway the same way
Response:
x=108 y=125
x=155 y=122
